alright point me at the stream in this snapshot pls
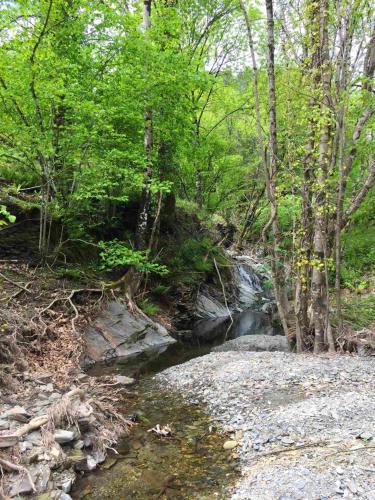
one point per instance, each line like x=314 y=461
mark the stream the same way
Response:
x=191 y=462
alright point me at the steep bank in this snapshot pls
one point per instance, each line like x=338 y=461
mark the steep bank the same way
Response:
x=302 y=426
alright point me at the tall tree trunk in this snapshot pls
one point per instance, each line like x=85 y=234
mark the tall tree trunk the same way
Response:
x=144 y=208
x=278 y=273
x=319 y=292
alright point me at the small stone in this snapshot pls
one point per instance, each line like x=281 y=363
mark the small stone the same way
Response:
x=4 y=425
x=366 y=436
x=86 y=465
x=45 y=378
x=54 y=396
x=35 y=437
x=300 y=484
x=24 y=446
x=62 y=436
x=78 y=445
x=230 y=445
x=19 y=414
x=123 y=380
x=287 y=441
x=87 y=441
x=99 y=456
x=65 y=480
x=353 y=487
x=339 y=470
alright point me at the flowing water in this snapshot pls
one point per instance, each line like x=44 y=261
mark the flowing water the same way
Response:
x=191 y=462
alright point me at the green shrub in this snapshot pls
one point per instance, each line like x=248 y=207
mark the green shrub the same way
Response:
x=148 y=307
x=116 y=254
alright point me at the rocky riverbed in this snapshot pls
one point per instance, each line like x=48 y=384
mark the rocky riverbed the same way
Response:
x=303 y=427
x=49 y=436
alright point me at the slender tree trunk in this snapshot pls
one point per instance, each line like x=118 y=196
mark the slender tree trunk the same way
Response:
x=278 y=274
x=144 y=209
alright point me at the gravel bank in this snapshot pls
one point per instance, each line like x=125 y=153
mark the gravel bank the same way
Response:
x=305 y=425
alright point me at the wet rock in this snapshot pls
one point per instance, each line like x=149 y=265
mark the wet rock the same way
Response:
x=125 y=335
x=99 y=456
x=62 y=436
x=209 y=307
x=85 y=465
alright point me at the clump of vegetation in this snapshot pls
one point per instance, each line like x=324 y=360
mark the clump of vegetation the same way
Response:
x=116 y=254
x=359 y=310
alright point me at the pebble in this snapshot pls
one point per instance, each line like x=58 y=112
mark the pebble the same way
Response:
x=62 y=436
x=230 y=445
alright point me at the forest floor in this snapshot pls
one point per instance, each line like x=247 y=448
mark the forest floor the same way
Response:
x=302 y=426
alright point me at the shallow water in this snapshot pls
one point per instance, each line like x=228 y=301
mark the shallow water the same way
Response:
x=191 y=463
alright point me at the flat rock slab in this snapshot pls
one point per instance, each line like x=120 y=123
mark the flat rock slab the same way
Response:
x=118 y=333
x=255 y=343
x=307 y=423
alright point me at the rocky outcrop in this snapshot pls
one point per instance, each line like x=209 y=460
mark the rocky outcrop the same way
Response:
x=117 y=333
x=255 y=343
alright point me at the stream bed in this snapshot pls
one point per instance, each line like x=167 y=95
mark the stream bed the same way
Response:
x=190 y=463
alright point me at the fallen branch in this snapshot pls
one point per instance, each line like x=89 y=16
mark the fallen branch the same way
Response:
x=14 y=283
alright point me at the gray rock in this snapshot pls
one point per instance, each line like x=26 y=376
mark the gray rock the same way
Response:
x=208 y=307
x=65 y=480
x=35 y=437
x=125 y=335
x=17 y=413
x=21 y=486
x=255 y=343
x=41 y=474
x=62 y=436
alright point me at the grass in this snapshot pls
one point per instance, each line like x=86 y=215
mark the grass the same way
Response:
x=359 y=310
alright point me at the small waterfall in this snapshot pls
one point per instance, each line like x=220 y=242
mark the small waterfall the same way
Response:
x=247 y=310
x=249 y=286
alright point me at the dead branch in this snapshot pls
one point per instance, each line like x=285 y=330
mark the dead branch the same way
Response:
x=14 y=283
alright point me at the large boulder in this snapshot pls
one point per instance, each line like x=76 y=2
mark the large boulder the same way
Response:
x=255 y=343
x=117 y=333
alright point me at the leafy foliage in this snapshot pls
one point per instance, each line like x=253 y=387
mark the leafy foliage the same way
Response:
x=115 y=254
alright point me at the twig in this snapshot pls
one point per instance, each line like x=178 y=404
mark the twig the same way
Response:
x=16 y=294
x=225 y=299
x=14 y=283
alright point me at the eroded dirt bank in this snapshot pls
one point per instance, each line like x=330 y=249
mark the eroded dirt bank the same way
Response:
x=303 y=426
